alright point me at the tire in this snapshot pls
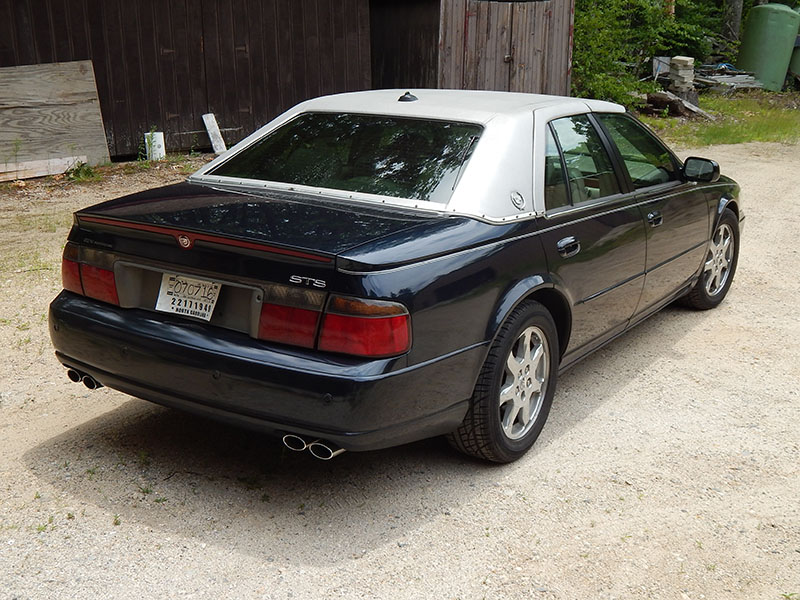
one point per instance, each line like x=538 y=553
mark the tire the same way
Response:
x=495 y=426
x=719 y=265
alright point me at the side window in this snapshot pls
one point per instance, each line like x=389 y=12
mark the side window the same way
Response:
x=555 y=183
x=647 y=160
x=589 y=170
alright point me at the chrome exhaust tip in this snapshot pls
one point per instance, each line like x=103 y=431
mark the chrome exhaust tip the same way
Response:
x=294 y=442
x=90 y=382
x=74 y=376
x=324 y=451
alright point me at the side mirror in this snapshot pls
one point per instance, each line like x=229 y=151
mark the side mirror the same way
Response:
x=700 y=169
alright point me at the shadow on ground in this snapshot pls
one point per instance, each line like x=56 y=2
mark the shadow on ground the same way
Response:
x=204 y=482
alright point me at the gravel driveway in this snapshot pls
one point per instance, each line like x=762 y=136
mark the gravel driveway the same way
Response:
x=668 y=468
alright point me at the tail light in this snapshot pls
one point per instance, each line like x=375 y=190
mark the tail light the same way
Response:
x=356 y=326
x=365 y=327
x=81 y=275
x=288 y=315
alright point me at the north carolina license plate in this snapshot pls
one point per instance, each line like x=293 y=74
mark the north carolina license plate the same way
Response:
x=187 y=296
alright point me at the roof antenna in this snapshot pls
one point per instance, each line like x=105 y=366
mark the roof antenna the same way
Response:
x=407 y=97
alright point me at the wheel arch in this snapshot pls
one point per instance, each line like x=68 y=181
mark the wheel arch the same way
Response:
x=544 y=292
x=726 y=201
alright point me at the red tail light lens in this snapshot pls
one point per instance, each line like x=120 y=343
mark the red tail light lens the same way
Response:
x=71 y=275
x=361 y=327
x=288 y=325
x=99 y=284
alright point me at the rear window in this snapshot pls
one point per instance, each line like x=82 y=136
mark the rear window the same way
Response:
x=389 y=156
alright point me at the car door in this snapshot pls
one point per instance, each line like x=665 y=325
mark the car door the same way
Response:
x=594 y=235
x=676 y=212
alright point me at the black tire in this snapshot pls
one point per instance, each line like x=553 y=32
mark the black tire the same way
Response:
x=495 y=429
x=719 y=263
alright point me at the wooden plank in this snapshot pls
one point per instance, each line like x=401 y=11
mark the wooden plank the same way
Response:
x=79 y=34
x=287 y=85
x=148 y=13
x=217 y=143
x=170 y=110
x=41 y=26
x=311 y=49
x=451 y=43
x=26 y=47
x=245 y=75
x=38 y=168
x=50 y=111
x=196 y=64
x=327 y=83
x=362 y=31
x=339 y=29
x=259 y=73
x=7 y=35
x=62 y=42
x=352 y=67
x=229 y=79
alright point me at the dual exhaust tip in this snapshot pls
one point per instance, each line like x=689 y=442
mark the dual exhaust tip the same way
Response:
x=318 y=448
x=77 y=377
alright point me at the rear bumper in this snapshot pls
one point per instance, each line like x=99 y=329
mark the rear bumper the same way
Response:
x=359 y=405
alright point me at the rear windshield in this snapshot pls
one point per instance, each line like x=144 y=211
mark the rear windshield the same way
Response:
x=389 y=156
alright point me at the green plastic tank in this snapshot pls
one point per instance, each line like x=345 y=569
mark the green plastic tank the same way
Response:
x=768 y=43
x=794 y=64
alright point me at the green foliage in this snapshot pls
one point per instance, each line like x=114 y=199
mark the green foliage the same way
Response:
x=615 y=41
x=81 y=172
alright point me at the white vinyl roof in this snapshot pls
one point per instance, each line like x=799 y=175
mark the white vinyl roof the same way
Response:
x=452 y=105
x=506 y=164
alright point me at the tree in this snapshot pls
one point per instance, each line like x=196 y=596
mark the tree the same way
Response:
x=732 y=20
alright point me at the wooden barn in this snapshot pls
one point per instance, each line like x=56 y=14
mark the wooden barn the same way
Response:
x=164 y=63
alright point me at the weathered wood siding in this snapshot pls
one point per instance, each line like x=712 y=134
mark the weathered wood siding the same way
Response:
x=514 y=46
x=405 y=43
x=49 y=119
x=164 y=63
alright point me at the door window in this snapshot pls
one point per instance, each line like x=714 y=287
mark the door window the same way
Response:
x=590 y=174
x=555 y=183
x=647 y=160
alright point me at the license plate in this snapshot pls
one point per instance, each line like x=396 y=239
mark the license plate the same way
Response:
x=187 y=296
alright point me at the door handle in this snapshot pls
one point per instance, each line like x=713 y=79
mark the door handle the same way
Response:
x=569 y=246
x=654 y=218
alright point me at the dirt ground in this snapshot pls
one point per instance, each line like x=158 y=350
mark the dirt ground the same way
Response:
x=668 y=469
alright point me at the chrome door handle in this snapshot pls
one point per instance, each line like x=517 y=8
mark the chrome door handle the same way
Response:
x=654 y=218
x=569 y=246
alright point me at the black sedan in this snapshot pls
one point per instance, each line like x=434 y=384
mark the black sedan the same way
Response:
x=380 y=267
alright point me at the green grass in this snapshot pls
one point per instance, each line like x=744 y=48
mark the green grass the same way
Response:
x=746 y=117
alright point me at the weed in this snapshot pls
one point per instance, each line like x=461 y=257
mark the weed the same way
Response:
x=81 y=172
x=41 y=528
x=91 y=472
x=24 y=326
x=711 y=567
x=70 y=516
x=117 y=520
x=160 y=500
x=36 y=496
x=143 y=458
x=50 y=520
x=265 y=497
x=145 y=489
x=790 y=596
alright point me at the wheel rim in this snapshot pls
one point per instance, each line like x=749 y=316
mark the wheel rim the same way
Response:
x=717 y=267
x=524 y=383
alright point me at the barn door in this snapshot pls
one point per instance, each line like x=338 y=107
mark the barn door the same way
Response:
x=505 y=45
